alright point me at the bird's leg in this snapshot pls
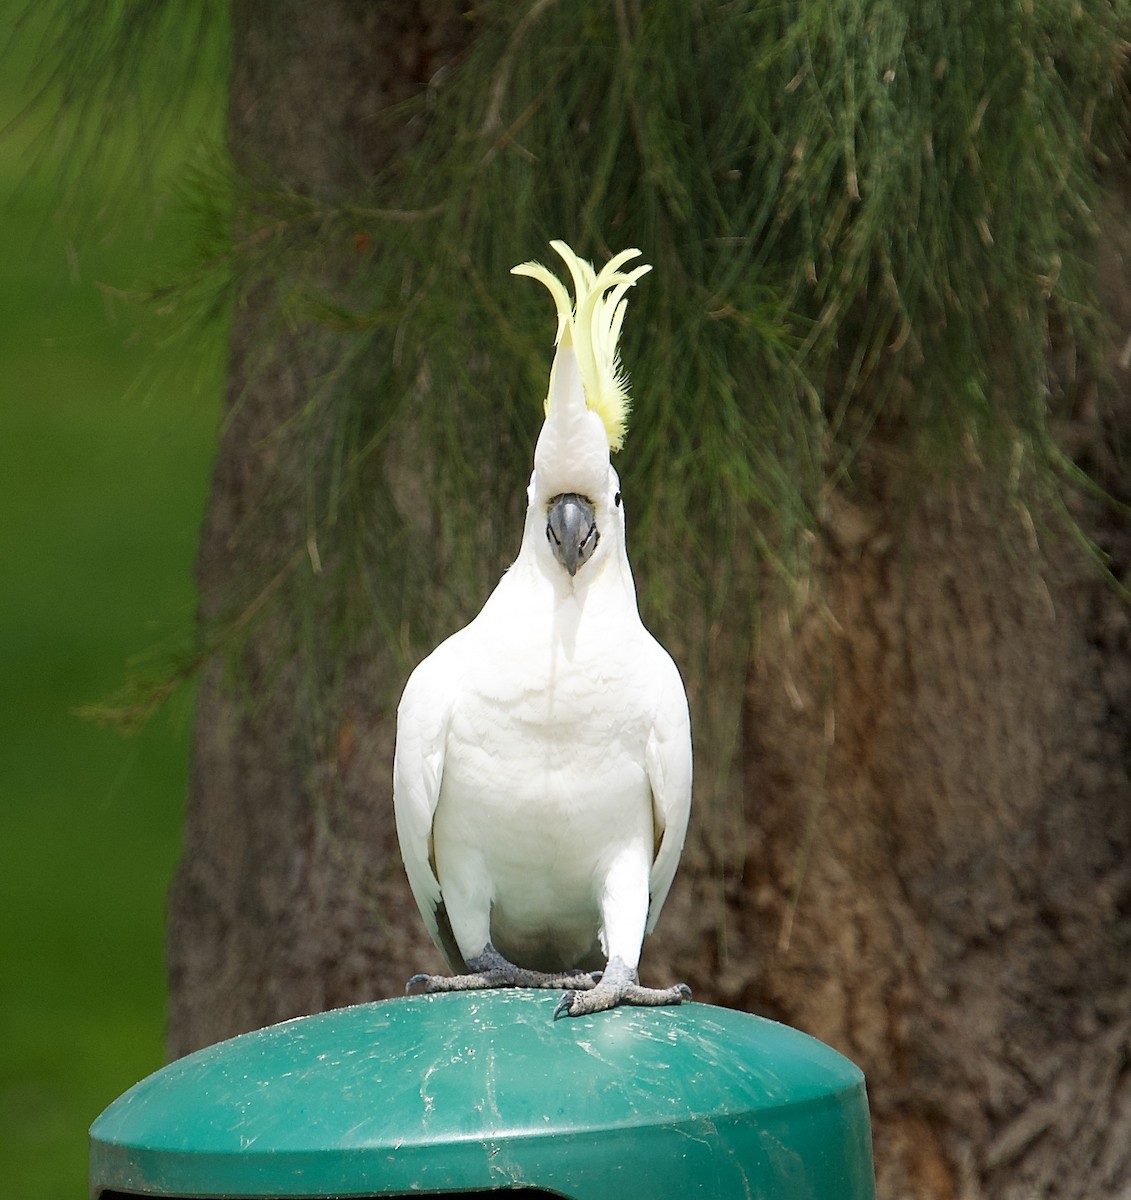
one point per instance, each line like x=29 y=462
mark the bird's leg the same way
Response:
x=618 y=985
x=491 y=970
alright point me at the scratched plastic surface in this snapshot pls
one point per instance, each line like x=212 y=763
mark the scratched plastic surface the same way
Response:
x=484 y=1092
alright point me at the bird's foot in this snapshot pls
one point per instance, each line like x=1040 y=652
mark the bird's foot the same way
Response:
x=618 y=985
x=491 y=970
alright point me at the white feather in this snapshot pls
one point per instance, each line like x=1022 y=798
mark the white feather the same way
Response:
x=542 y=775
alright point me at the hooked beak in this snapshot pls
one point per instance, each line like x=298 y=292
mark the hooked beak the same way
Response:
x=571 y=530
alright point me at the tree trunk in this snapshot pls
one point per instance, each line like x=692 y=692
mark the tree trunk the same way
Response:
x=928 y=865
x=290 y=897
x=936 y=876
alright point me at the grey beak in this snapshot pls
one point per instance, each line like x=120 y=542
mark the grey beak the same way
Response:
x=571 y=530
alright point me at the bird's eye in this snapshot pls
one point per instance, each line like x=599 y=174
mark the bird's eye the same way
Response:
x=616 y=499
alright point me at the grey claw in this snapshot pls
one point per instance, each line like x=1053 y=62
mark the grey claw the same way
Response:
x=415 y=981
x=563 y=1006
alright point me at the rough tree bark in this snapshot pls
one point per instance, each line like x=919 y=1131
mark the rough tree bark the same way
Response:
x=936 y=877
x=289 y=896
x=928 y=865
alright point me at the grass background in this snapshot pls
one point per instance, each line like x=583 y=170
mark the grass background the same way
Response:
x=104 y=467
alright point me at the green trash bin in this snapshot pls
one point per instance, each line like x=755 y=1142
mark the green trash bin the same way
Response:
x=484 y=1092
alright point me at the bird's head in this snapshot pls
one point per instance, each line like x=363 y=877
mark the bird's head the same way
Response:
x=574 y=483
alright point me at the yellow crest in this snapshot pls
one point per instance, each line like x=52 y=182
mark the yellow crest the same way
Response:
x=591 y=325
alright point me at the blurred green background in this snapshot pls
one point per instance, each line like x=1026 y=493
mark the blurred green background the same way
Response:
x=105 y=447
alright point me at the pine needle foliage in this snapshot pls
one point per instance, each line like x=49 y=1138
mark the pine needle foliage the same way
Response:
x=862 y=216
x=141 y=67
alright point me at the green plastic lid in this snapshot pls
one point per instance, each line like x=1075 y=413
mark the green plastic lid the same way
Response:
x=483 y=1091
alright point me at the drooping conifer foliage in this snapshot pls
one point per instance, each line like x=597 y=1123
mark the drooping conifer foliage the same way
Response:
x=864 y=218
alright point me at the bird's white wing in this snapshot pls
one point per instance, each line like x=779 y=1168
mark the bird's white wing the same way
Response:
x=667 y=760
x=418 y=768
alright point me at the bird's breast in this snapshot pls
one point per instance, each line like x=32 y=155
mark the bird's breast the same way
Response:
x=544 y=785
x=534 y=833
x=544 y=781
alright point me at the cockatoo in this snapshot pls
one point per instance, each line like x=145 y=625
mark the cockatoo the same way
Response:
x=542 y=774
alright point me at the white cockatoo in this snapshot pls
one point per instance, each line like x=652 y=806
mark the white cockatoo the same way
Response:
x=542 y=776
